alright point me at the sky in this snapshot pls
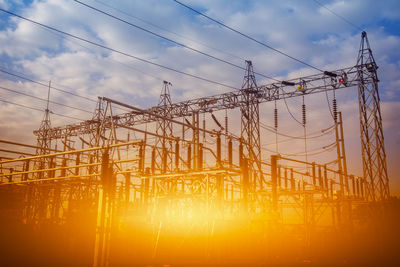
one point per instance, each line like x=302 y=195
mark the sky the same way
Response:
x=307 y=30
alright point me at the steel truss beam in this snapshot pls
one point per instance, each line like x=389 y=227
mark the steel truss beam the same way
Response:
x=310 y=85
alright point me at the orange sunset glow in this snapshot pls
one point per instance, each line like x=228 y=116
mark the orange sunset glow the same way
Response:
x=199 y=133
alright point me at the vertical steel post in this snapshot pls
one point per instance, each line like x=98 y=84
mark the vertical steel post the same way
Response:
x=292 y=181
x=219 y=164
x=230 y=152
x=245 y=183
x=177 y=155
x=189 y=156
x=274 y=166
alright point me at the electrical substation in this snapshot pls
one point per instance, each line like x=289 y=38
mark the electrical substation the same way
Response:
x=173 y=184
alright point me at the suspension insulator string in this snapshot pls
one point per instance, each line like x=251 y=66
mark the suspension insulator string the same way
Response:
x=226 y=122
x=334 y=104
x=305 y=131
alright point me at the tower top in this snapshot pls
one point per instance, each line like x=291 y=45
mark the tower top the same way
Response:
x=365 y=53
x=249 y=81
x=165 y=97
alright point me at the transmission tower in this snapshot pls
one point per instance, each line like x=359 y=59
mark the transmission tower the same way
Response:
x=36 y=198
x=372 y=142
x=43 y=139
x=97 y=117
x=250 y=123
x=163 y=145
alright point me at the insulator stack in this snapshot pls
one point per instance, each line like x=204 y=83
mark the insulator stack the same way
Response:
x=219 y=150
x=240 y=152
x=200 y=157
x=230 y=152
x=164 y=164
x=153 y=161
x=204 y=128
x=304 y=114
x=177 y=155
x=183 y=130
x=276 y=118
x=226 y=124
x=189 y=157
x=334 y=109
x=141 y=159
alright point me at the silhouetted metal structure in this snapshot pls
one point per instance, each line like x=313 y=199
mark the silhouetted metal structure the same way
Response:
x=250 y=124
x=163 y=146
x=111 y=182
x=372 y=140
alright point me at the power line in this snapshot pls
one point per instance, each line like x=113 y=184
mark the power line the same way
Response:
x=314 y=152
x=279 y=142
x=312 y=136
x=170 y=40
x=42 y=99
x=317 y=152
x=118 y=51
x=37 y=109
x=72 y=41
x=248 y=37
x=329 y=105
x=290 y=138
x=169 y=31
x=45 y=85
x=52 y=87
x=287 y=107
x=339 y=16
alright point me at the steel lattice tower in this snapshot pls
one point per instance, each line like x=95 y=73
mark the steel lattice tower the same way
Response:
x=43 y=138
x=372 y=141
x=250 y=122
x=163 y=146
x=36 y=198
x=97 y=117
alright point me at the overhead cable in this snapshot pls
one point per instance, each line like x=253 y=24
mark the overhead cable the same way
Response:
x=45 y=85
x=169 y=31
x=318 y=134
x=117 y=51
x=42 y=99
x=170 y=40
x=248 y=37
x=37 y=109
x=339 y=16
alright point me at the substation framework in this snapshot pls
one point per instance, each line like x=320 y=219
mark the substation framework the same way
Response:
x=179 y=169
